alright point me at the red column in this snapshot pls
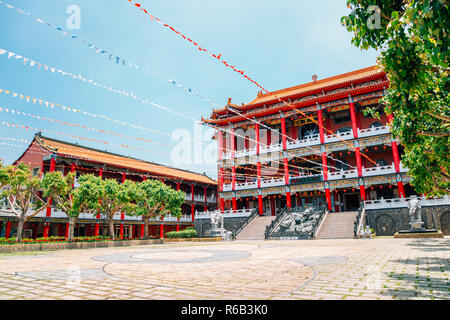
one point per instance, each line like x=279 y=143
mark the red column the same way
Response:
x=142 y=230
x=192 y=206
x=122 y=216
x=272 y=206
x=320 y=120
x=260 y=204
x=283 y=132
x=258 y=169
x=8 y=230
x=354 y=120
x=324 y=156
x=362 y=190
x=396 y=157
x=161 y=230
x=49 y=208
x=233 y=186
x=178 y=219
x=257 y=138
x=285 y=161
x=220 y=145
x=97 y=225
x=328 y=197
x=205 y=191
x=232 y=143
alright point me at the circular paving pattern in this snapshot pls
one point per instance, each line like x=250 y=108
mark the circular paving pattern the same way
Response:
x=176 y=256
x=316 y=261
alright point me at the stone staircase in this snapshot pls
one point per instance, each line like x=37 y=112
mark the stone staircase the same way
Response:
x=255 y=229
x=338 y=225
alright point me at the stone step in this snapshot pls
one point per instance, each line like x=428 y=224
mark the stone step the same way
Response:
x=255 y=229
x=338 y=225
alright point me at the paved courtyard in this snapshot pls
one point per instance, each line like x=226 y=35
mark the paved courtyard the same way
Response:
x=318 y=269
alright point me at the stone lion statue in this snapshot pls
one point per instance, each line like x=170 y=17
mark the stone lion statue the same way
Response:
x=216 y=220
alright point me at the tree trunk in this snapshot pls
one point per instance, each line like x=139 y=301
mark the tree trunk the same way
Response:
x=72 y=223
x=111 y=227
x=20 y=229
x=146 y=218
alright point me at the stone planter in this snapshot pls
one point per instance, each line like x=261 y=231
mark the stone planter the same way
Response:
x=75 y=245
x=215 y=239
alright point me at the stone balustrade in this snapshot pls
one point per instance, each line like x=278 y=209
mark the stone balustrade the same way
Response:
x=226 y=214
x=200 y=198
x=343 y=174
x=310 y=141
x=403 y=202
x=56 y=214
x=363 y=133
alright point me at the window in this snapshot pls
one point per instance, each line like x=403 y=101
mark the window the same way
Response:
x=309 y=131
x=35 y=172
x=342 y=116
x=342 y=165
x=344 y=130
x=376 y=124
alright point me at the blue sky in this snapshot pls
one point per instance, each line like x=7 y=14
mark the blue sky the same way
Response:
x=279 y=44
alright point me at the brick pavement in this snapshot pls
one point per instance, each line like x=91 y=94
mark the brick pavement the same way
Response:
x=316 y=269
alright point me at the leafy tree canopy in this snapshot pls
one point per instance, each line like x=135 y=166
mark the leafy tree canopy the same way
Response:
x=413 y=39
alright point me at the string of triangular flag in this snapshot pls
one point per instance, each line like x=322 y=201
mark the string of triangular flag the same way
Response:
x=52 y=105
x=90 y=81
x=111 y=56
x=92 y=153
x=17 y=112
x=14 y=139
x=242 y=73
x=14 y=125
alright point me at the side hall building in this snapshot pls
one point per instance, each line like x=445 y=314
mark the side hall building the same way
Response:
x=46 y=154
x=310 y=143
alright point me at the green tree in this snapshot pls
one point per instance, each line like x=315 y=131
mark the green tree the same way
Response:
x=115 y=198
x=72 y=201
x=155 y=200
x=21 y=191
x=413 y=40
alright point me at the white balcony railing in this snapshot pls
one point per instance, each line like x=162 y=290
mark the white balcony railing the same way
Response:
x=294 y=144
x=225 y=214
x=311 y=141
x=348 y=135
x=56 y=214
x=343 y=174
x=338 y=175
x=362 y=133
x=376 y=171
x=200 y=198
x=246 y=185
x=403 y=202
x=274 y=182
x=270 y=148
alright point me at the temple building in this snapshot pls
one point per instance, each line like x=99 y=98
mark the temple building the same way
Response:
x=47 y=154
x=311 y=143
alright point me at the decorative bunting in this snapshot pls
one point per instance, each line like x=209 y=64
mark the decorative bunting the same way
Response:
x=80 y=126
x=241 y=72
x=110 y=55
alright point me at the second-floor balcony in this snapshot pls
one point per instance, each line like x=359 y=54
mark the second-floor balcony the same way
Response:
x=200 y=198
x=308 y=142
x=336 y=175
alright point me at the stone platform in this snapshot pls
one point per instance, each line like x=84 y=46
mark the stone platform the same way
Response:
x=427 y=234
x=344 y=269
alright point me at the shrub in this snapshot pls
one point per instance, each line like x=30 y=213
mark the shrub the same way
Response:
x=187 y=233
